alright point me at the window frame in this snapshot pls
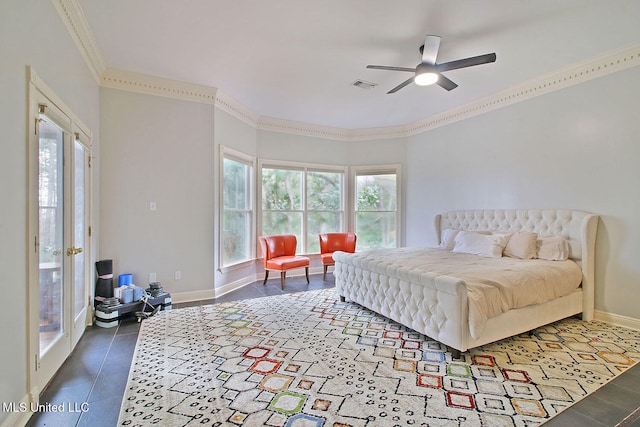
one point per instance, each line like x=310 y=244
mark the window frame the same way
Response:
x=240 y=157
x=305 y=168
x=390 y=169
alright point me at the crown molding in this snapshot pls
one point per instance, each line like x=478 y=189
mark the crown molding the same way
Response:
x=236 y=109
x=607 y=64
x=151 y=85
x=75 y=21
x=73 y=18
x=570 y=76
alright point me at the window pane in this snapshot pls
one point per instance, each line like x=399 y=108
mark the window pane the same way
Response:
x=376 y=230
x=236 y=184
x=324 y=191
x=303 y=203
x=283 y=223
x=235 y=237
x=376 y=192
x=321 y=222
x=281 y=189
x=237 y=218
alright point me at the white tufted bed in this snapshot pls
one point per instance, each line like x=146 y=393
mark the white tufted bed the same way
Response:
x=434 y=291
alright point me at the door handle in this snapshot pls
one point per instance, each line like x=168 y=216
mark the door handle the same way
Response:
x=73 y=251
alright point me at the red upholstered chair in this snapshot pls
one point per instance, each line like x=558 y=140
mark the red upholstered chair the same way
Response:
x=279 y=253
x=331 y=242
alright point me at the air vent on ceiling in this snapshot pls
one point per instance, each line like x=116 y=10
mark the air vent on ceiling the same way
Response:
x=364 y=85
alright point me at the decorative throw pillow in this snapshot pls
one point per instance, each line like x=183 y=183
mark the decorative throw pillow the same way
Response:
x=553 y=248
x=448 y=238
x=489 y=245
x=521 y=245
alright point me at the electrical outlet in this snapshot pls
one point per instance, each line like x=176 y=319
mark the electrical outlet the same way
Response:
x=178 y=275
x=152 y=277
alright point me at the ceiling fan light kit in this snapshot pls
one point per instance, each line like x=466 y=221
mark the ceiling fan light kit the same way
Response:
x=425 y=75
x=429 y=72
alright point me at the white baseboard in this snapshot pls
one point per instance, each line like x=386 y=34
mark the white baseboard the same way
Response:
x=178 y=297
x=232 y=286
x=19 y=417
x=615 y=319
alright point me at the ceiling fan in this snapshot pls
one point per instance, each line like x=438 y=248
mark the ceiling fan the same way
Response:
x=429 y=72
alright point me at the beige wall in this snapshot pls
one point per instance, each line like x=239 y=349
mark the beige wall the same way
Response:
x=157 y=150
x=163 y=150
x=576 y=148
x=31 y=33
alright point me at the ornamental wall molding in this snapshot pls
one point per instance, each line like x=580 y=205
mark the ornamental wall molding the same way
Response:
x=159 y=86
x=76 y=24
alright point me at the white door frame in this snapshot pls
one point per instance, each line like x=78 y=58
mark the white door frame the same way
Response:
x=41 y=368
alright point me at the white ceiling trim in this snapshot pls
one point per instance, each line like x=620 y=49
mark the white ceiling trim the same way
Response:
x=602 y=66
x=73 y=17
x=151 y=85
x=236 y=109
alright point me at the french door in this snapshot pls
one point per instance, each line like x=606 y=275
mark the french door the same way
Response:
x=59 y=248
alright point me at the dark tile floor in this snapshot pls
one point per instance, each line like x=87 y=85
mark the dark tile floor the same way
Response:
x=97 y=371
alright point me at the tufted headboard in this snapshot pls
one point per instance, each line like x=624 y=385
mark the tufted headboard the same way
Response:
x=578 y=227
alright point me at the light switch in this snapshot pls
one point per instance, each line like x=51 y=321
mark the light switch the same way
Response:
x=152 y=206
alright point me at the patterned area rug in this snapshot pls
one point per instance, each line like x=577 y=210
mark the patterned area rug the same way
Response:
x=307 y=359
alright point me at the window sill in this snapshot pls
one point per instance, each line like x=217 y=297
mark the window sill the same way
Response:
x=238 y=266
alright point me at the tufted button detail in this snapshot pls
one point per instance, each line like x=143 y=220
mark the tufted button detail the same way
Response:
x=544 y=222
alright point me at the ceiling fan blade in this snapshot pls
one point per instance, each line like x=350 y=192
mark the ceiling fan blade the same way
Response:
x=467 y=62
x=400 y=86
x=445 y=83
x=430 y=49
x=390 y=68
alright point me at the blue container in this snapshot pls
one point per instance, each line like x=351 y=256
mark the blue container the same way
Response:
x=127 y=296
x=137 y=293
x=125 y=279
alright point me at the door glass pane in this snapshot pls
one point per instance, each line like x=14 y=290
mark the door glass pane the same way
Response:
x=50 y=223
x=79 y=231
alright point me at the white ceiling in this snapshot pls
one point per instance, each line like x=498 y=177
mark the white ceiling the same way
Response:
x=297 y=60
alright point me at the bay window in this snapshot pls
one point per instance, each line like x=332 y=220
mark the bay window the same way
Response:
x=303 y=200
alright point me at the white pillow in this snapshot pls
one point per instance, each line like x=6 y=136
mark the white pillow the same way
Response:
x=448 y=238
x=491 y=245
x=553 y=248
x=521 y=245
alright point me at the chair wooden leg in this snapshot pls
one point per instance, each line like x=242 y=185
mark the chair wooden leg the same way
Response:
x=266 y=276
x=306 y=271
x=324 y=275
x=283 y=274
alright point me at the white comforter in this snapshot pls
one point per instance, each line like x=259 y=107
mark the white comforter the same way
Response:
x=494 y=285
